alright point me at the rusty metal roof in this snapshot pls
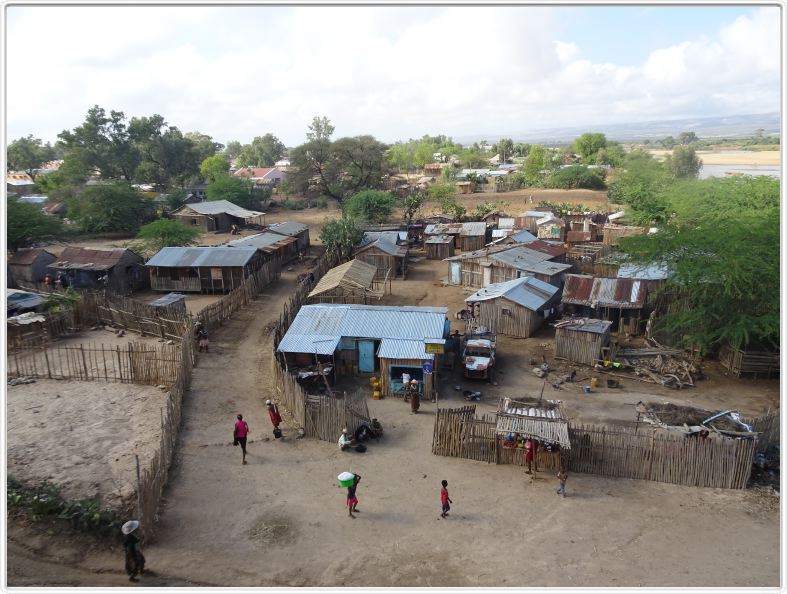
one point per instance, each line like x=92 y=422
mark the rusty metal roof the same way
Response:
x=28 y=256
x=577 y=289
x=625 y=293
x=578 y=236
x=444 y=228
x=91 y=259
x=547 y=248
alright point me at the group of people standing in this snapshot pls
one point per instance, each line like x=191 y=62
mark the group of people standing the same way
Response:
x=58 y=281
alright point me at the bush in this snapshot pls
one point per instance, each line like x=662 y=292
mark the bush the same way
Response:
x=322 y=202
x=372 y=206
x=577 y=177
x=110 y=207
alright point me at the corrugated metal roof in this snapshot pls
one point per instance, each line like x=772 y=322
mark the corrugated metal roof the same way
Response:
x=500 y=233
x=333 y=321
x=577 y=289
x=538 y=214
x=473 y=229
x=290 y=228
x=262 y=240
x=584 y=325
x=554 y=250
x=523 y=237
x=540 y=429
x=396 y=348
x=578 y=236
x=372 y=236
x=352 y=275
x=16 y=299
x=216 y=257
x=79 y=258
x=28 y=256
x=623 y=293
x=644 y=271
x=168 y=299
x=505 y=223
x=392 y=249
x=527 y=291
x=213 y=207
x=443 y=229
x=440 y=239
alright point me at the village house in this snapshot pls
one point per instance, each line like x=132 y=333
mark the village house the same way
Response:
x=499 y=264
x=119 y=270
x=203 y=269
x=581 y=340
x=515 y=308
x=433 y=169
x=389 y=259
x=492 y=219
x=613 y=233
x=439 y=247
x=511 y=236
x=217 y=215
x=30 y=265
x=196 y=193
x=262 y=176
x=394 y=236
x=528 y=220
x=617 y=300
x=272 y=245
x=551 y=227
x=365 y=339
x=19 y=183
x=292 y=229
x=467 y=236
x=170 y=302
x=465 y=187
x=351 y=282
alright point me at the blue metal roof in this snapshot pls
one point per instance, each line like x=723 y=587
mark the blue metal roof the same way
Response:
x=527 y=291
x=195 y=257
x=289 y=228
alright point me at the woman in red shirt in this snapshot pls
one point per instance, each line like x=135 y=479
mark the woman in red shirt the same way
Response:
x=241 y=431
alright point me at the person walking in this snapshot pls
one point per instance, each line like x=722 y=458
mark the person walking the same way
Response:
x=445 y=500
x=135 y=560
x=415 y=397
x=562 y=476
x=273 y=413
x=240 y=434
x=202 y=338
x=352 y=498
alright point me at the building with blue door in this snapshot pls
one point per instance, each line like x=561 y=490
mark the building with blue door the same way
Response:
x=365 y=340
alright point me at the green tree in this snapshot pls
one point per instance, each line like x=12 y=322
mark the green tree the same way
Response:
x=722 y=245
x=684 y=162
x=641 y=187
x=263 y=151
x=214 y=167
x=412 y=206
x=521 y=149
x=371 y=206
x=26 y=225
x=28 y=154
x=174 y=199
x=168 y=157
x=612 y=155
x=340 y=236
x=232 y=188
x=320 y=129
x=473 y=157
x=110 y=207
x=589 y=144
x=233 y=149
x=535 y=162
x=505 y=148
x=203 y=146
x=165 y=233
x=668 y=142
x=687 y=138
x=576 y=177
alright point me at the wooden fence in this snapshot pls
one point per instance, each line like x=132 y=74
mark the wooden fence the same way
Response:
x=136 y=363
x=606 y=451
x=768 y=426
x=216 y=313
x=135 y=316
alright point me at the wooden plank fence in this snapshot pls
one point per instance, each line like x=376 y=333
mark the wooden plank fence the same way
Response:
x=135 y=316
x=136 y=363
x=768 y=427
x=608 y=451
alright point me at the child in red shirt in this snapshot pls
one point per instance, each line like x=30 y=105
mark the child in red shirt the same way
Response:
x=445 y=499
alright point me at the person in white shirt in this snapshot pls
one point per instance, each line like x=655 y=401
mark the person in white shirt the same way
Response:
x=345 y=441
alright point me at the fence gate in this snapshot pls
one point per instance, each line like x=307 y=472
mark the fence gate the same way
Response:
x=450 y=427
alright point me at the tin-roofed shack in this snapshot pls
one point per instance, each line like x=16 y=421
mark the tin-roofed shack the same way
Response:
x=365 y=339
x=619 y=300
x=30 y=265
x=389 y=259
x=581 y=340
x=217 y=215
x=170 y=302
x=119 y=270
x=272 y=246
x=203 y=269
x=439 y=247
x=351 y=282
x=503 y=263
x=292 y=229
x=514 y=308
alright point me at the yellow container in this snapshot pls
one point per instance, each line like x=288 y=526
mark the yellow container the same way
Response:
x=373 y=381
x=593 y=382
x=376 y=395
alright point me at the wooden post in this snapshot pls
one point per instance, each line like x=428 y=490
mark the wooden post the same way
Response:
x=84 y=361
x=139 y=495
x=48 y=369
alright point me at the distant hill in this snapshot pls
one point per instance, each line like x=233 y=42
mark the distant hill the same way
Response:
x=707 y=127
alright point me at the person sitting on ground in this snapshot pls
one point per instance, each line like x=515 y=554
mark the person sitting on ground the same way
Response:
x=363 y=433
x=345 y=441
x=377 y=428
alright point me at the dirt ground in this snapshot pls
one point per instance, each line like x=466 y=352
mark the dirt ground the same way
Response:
x=281 y=520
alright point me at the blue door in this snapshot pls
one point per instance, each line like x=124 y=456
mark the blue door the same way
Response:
x=366 y=356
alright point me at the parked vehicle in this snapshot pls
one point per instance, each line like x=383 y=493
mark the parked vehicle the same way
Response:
x=478 y=357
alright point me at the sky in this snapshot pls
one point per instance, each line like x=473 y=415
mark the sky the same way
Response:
x=394 y=72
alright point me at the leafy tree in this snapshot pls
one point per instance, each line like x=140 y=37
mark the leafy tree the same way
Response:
x=576 y=177
x=361 y=161
x=684 y=162
x=168 y=157
x=263 y=151
x=340 y=236
x=453 y=209
x=642 y=186
x=473 y=157
x=483 y=209
x=589 y=144
x=320 y=129
x=214 y=167
x=174 y=199
x=668 y=142
x=110 y=207
x=687 y=138
x=165 y=233
x=722 y=244
x=535 y=162
x=28 y=154
x=412 y=205
x=440 y=192
x=372 y=206
x=232 y=188
x=612 y=155
x=233 y=149
x=505 y=149
x=203 y=146
x=521 y=149
x=26 y=225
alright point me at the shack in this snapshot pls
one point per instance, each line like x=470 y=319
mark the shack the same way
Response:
x=118 y=270
x=202 y=269
x=451 y=230
x=292 y=229
x=439 y=247
x=396 y=236
x=515 y=308
x=217 y=215
x=170 y=302
x=528 y=220
x=19 y=302
x=350 y=282
x=389 y=259
x=551 y=227
x=532 y=418
x=618 y=300
x=30 y=265
x=613 y=233
x=503 y=263
x=472 y=236
x=365 y=339
x=272 y=246
x=581 y=340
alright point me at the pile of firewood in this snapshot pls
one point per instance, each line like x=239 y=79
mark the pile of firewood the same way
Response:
x=672 y=371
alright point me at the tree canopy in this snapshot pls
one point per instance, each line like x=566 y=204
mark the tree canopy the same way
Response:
x=263 y=151
x=577 y=177
x=684 y=162
x=110 y=207
x=214 y=167
x=641 y=186
x=722 y=245
x=588 y=145
x=28 y=154
x=371 y=206
x=232 y=188
x=26 y=225
x=340 y=236
x=165 y=233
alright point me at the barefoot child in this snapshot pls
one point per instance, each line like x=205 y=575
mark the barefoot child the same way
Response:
x=352 y=500
x=445 y=499
x=562 y=476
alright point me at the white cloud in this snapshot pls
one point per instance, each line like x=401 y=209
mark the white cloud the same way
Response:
x=393 y=72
